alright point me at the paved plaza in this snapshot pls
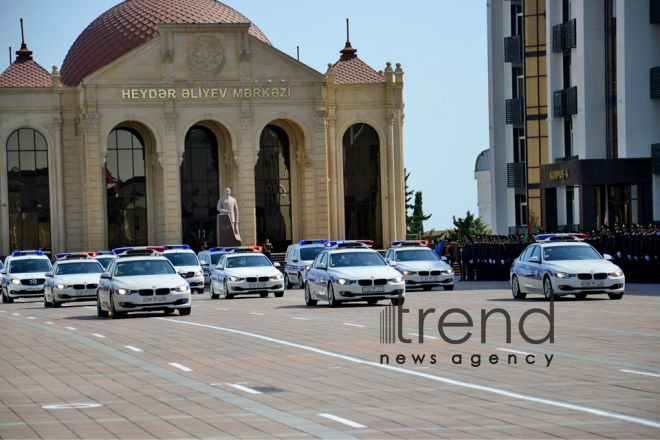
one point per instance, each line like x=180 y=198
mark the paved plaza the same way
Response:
x=271 y=367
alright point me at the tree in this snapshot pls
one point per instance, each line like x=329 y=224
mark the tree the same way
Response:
x=469 y=227
x=418 y=217
x=409 y=206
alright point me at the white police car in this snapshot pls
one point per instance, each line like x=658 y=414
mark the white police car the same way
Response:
x=560 y=265
x=246 y=271
x=74 y=278
x=104 y=257
x=298 y=256
x=420 y=266
x=352 y=271
x=186 y=263
x=24 y=275
x=142 y=280
x=208 y=260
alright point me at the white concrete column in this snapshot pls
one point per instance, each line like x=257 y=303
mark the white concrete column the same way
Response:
x=95 y=230
x=168 y=196
x=391 y=179
x=246 y=198
x=61 y=205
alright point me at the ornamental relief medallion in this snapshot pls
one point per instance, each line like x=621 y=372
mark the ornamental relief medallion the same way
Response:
x=206 y=57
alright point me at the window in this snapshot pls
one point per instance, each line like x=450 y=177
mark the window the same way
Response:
x=518 y=83
x=568 y=137
x=126 y=189
x=517 y=19
x=611 y=130
x=536 y=252
x=566 y=10
x=634 y=205
x=29 y=192
x=570 y=205
x=521 y=210
x=566 y=68
x=519 y=147
x=525 y=255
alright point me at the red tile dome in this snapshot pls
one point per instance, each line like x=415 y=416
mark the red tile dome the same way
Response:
x=131 y=23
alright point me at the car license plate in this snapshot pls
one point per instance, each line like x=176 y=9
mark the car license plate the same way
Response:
x=154 y=299
x=34 y=288
x=256 y=285
x=430 y=278
x=373 y=289
x=592 y=284
x=86 y=292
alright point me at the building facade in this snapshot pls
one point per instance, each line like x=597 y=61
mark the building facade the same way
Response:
x=160 y=105
x=574 y=100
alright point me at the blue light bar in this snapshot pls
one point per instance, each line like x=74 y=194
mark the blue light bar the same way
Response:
x=120 y=250
x=21 y=253
x=58 y=256
x=333 y=243
x=396 y=243
x=545 y=236
x=313 y=241
x=176 y=246
x=222 y=249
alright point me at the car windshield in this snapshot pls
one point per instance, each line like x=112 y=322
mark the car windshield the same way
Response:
x=182 y=259
x=27 y=266
x=144 y=267
x=567 y=253
x=78 y=268
x=308 y=254
x=104 y=261
x=416 y=255
x=216 y=257
x=248 y=261
x=349 y=259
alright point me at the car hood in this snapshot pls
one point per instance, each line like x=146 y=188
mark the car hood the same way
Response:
x=148 y=281
x=81 y=278
x=423 y=265
x=27 y=276
x=582 y=266
x=355 y=273
x=262 y=271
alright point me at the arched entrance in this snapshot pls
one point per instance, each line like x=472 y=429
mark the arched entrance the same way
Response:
x=126 y=189
x=29 y=191
x=362 y=198
x=200 y=186
x=272 y=179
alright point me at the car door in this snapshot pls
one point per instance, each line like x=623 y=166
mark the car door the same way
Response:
x=535 y=271
x=217 y=274
x=313 y=276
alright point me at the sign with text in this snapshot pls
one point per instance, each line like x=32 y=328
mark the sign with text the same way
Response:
x=263 y=92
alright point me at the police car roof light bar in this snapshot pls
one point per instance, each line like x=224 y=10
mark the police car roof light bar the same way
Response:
x=559 y=237
x=139 y=250
x=313 y=241
x=410 y=243
x=30 y=252
x=176 y=246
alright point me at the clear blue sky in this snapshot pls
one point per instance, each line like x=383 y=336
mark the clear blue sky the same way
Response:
x=441 y=45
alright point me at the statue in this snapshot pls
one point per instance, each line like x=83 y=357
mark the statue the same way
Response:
x=227 y=206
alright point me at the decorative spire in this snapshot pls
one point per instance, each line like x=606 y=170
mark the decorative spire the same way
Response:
x=348 y=53
x=24 y=54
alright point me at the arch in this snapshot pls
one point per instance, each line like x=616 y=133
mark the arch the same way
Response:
x=362 y=182
x=139 y=123
x=29 y=180
x=220 y=126
x=129 y=184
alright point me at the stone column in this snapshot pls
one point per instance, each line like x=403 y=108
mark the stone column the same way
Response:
x=95 y=230
x=316 y=195
x=247 y=159
x=61 y=205
x=391 y=177
x=170 y=157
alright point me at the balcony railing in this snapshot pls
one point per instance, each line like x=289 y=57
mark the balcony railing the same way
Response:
x=655 y=83
x=564 y=36
x=515 y=111
x=513 y=49
x=515 y=175
x=565 y=102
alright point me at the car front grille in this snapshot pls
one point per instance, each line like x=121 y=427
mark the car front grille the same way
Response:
x=37 y=282
x=600 y=276
x=263 y=279
x=435 y=273
x=188 y=274
x=584 y=276
x=364 y=282
x=162 y=291
x=380 y=282
x=251 y=279
x=424 y=273
x=146 y=292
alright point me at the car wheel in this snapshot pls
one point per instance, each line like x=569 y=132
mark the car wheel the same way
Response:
x=185 y=312
x=287 y=282
x=99 y=311
x=263 y=294
x=615 y=295
x=515 y=288
x=278 y=294
x=168 y=311
x=46 y=302
x=547 y=289
x=301 y=281
x=56 y=304
x=396 y=302
x=448 y=287
x=6 y=298
x=372 y=302
x=427 y=288
x=581 y=295
x=212 y=290
x=308 y=297
x=225 y=291
x=332 y=301
x=112 y=313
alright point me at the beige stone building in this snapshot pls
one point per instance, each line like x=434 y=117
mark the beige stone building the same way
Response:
x=161 y=104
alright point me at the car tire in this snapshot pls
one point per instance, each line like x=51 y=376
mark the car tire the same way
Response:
x=581 y=296
x=427 y=288
x=308 y=297
x=263 y=294
x=6 y=298
x=332 y=301
x=615 y=295
x=515 y=289
x=112 y=313
x=372 y=302
x=301 y=281
x=395 y=301
x=287 y=282
x=212 y=290
x=225 y=291
x=56 y=304
x=278 y=294
x=448 y=287
x=99 y=311
x=47 y=304
x=185 y=312
x=547 y=289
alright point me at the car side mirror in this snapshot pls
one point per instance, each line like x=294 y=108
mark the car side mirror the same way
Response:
x=321 y=266
x=392 y=263
x=444 y=259
x=294 y=261
x=276 y=264
x=608 y=257
x=48 y=274
x=534 y=260
x=105 y=275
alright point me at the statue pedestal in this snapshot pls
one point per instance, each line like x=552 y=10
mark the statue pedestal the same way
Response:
x=225 y=236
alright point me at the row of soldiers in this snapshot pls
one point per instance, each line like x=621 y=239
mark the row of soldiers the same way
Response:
x=635 y=249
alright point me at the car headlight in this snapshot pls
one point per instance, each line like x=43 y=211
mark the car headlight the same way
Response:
x=276 y=277
x=124 y=291
x=447 y=271
x=563 y=275
x=198 y=273
x=308 y=267
x=234 y=279
x=15 y=282
x=616 y=274
x=395 y=280
x=183 y=288
x=344 y=282
x=408 y=272
x=61 y=286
